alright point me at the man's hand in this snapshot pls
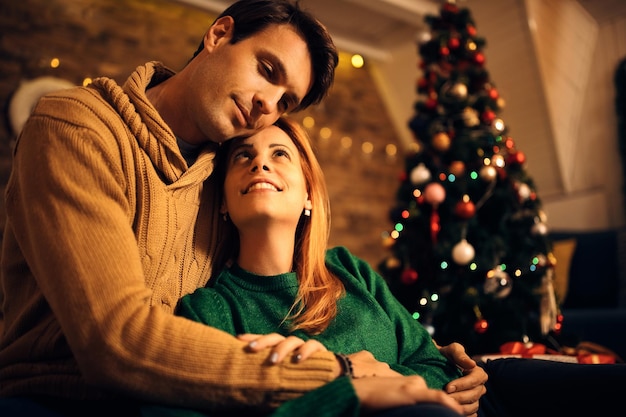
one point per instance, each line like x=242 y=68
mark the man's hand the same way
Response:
x=364 y=364
x=468 y=389
x=381 y=393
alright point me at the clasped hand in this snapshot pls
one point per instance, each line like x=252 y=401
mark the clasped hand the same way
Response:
x=377 y=386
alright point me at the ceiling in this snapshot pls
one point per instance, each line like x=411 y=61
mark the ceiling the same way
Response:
x=369 y=27
x=374 y=27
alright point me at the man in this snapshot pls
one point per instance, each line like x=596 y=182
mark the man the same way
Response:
x=108 y=226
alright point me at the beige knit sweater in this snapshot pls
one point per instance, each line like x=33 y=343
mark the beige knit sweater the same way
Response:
x=100 y=245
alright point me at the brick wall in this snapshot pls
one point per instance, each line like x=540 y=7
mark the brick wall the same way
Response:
x=110 y=38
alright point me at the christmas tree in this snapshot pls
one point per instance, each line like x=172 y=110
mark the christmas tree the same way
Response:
x=469 y=253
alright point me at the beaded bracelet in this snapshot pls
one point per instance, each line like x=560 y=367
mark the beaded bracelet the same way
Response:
x=346 y=365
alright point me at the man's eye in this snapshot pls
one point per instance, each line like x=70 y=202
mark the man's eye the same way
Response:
x=283 y=104
x=267 y=70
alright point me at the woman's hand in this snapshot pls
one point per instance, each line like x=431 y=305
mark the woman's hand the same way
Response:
x=468 y=389
x=381 y=393
x=282 y=346
x=364 y=364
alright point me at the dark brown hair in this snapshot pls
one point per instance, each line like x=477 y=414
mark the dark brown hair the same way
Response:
x=252 y=16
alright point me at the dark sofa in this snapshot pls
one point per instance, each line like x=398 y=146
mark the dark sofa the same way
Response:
x=594 y=307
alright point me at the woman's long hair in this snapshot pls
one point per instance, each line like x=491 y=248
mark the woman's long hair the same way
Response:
x=315 y=305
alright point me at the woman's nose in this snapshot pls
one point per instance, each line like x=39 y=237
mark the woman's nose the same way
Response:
x=260 y=165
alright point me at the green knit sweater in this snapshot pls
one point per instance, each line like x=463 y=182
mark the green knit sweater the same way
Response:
x=369 y=318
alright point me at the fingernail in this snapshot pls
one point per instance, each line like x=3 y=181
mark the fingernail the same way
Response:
x=274 y=357
x=252 y=344
x=451 y=389
x=298 y=357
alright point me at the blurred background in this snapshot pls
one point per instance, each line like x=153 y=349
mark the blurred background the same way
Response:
x=553 y=63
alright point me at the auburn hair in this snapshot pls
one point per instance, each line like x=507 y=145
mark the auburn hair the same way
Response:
x=315 y=305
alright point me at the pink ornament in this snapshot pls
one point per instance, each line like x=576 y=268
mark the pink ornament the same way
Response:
x=434 y=193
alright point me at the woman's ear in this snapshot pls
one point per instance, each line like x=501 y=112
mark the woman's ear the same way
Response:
x=223 y=208
x=221 y=29
x=308 y=205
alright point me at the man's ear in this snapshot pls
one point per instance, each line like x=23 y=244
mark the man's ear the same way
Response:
x=221 y=30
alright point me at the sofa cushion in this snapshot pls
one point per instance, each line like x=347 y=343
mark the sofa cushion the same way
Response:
x=596 y=269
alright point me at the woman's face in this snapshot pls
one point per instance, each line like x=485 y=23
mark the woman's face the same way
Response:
x=264 y=181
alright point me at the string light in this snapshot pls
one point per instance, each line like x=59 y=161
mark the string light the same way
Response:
x=357 y=61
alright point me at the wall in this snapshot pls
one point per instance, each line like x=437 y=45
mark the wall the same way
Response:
x=553 y=62
x=110 y=38
x=577 y=170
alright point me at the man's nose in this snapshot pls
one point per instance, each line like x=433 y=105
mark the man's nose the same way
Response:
x=267 y=101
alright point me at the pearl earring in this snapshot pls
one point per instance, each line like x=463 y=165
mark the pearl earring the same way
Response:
x=307 y=212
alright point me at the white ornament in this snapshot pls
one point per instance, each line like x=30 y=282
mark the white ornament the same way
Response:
x=420 y=174
x=463 y=252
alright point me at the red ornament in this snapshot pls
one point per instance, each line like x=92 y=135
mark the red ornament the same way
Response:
x=516 y=158
x=465 y=209
x=479 y=58
x=471 y=30
x=409 y=276
x=488 y=116
x=493 y=94
x=444 y=51
x=435 y=225
x=454 y=43
x=431 y=103
x=450 y=7
x=481 y=326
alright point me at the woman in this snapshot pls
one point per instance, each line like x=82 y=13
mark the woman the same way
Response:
x=274 y=276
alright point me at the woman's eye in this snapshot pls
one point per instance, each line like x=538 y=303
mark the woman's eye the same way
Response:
x=239 y=156
x=282 y=153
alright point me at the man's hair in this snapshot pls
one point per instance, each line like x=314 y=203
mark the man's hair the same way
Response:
x=252 y=16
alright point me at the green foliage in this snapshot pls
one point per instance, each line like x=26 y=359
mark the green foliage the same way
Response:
x=489 y=205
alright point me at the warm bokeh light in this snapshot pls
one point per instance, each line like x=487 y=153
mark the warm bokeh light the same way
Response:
x=55 y=62
x=367 y=147
x=308 y=122
x=325 y=133
x=357 y=61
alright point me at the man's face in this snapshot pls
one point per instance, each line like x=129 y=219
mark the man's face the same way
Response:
x=240 y=88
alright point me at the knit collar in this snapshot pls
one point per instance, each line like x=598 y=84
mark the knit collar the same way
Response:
x=253 y=282
x=153 y=135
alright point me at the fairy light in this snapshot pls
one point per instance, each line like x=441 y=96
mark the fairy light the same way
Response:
x=357 y=61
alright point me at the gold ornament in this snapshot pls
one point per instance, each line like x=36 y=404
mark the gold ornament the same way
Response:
x=441 y=141
x=470 y=117
x=457 y=168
